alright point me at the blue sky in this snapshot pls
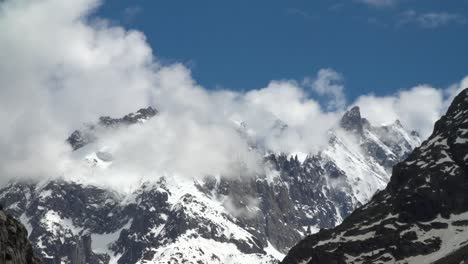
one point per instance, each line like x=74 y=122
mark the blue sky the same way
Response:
x=379 y=46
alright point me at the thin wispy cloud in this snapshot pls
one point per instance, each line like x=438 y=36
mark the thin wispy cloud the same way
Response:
x=373 y=21
x=336 y=7
x=329 y=83
x=299 y=13
x=131 y=12
x=430 y=19
x=379 y=3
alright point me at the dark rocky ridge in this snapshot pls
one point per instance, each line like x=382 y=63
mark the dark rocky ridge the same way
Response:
x=133 y=118
x=80 y=138
x=421 y=217
x=352 y=121
x=293 y=198
x=14 y=245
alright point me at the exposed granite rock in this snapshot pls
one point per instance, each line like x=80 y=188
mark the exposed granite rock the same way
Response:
x=179 y=221
x=419 y=218
x=133 y=118
x=14 y=245
x=86 y=135
x=352 y=121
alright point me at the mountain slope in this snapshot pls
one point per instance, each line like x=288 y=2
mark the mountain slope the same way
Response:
x=420 y=217
x=14 y=245
x=217 y=219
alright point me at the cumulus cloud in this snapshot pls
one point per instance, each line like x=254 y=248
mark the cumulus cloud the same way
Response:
x=431 y=19
x=417 y=108
x=62 y=67
x=59 y=69
x=77 y=67
x=200 y=132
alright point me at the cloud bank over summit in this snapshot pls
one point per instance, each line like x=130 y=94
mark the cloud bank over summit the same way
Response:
x=61 y=67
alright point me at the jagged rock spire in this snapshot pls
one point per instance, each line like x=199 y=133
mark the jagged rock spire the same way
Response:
x=82 y=137
x=421 y=216
x=352 y=120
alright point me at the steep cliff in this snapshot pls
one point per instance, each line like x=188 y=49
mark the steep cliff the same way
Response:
x=215 y=219
x=14 y=245
x=421 y=216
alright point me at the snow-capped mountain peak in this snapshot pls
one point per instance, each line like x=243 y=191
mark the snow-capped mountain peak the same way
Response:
x=214 y=219
x=420 y=217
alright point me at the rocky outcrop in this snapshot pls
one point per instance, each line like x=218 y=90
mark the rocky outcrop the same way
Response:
x=14 y=245
x=421 y=216
x=352 y=121
x=133 y=118
x=82 y=137
x=251 y=219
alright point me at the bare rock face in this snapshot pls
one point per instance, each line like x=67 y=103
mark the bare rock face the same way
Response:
x=14 y=245
x=82 y=137
x=421 y=216
x=244 y=219
x=352 y=120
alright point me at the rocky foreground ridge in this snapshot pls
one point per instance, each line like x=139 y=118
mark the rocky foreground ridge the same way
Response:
x=14 y=245
x=420 y=217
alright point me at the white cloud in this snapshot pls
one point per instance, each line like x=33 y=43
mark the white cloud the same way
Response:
x=330 y=83
x=61 y=68
x=454 y=89
x=58 y=70
x=246 y=208
x=417 y=108
x=431 y=19
x=288 y=102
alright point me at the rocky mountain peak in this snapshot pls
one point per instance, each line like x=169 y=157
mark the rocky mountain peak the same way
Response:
x=437 y=170
x=422 y=215
x=86 y=135
x=352 y=120
x=215 y=220
x=139 y=116
x=455 y=113
x=397 y=123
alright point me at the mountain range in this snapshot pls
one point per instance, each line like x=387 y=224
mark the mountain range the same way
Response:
x=216 y=219
x=420 y=217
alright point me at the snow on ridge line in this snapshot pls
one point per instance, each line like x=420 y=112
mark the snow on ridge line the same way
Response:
x=206 y=251
x=349 y=158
